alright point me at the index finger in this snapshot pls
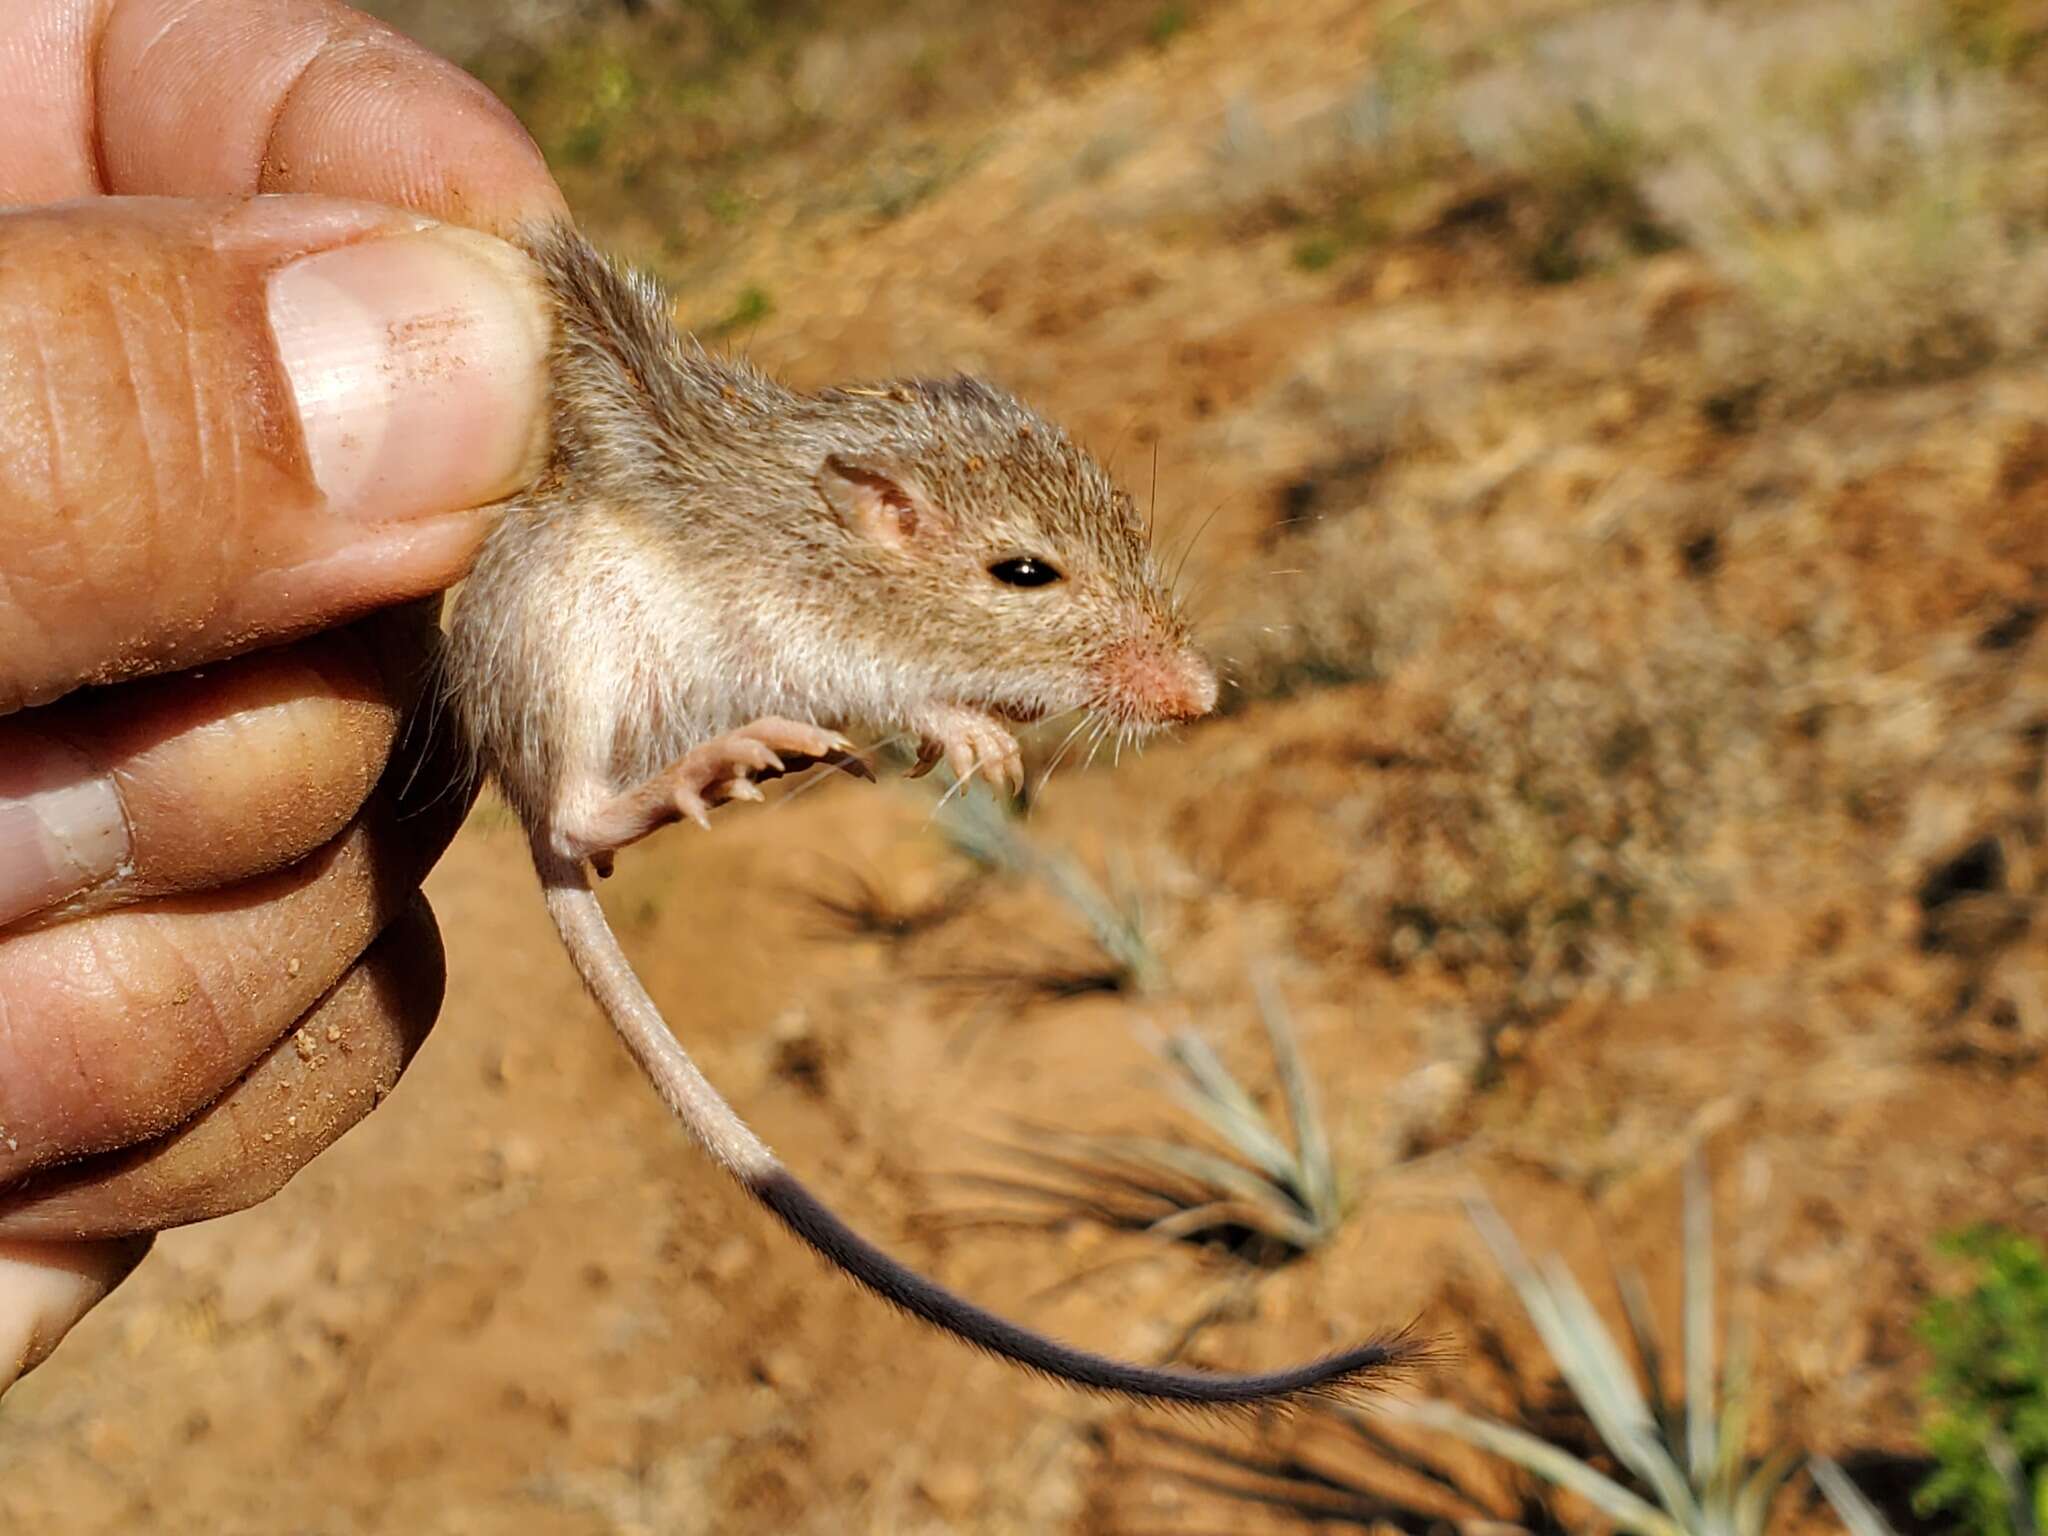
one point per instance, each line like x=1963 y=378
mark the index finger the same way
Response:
x=205 y=98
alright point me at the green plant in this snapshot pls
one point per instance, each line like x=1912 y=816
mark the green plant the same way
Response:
x=1313 y=253
x=1682 y=1466
x=748 y=310
x=1166 y=23
x=1988 y=1394
x=1997 y=34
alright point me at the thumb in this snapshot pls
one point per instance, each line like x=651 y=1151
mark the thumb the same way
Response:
x=225 y=423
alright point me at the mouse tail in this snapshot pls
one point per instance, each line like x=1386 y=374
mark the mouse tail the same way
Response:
x=714 y=1123
x=1342 y=1377
x=611 y=979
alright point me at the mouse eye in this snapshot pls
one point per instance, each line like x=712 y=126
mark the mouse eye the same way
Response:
x=1024 y=571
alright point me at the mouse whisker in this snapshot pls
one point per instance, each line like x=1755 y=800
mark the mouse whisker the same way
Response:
x=417 y=729
x=1127 y=736
x=1188 y=548
x=1152 y=495
x=1193 y=602
x=876 y=748
x=824 y=771
x=1195 y=605
x=812 y=778
x=1059 y=756
x=1122 y=432
x=1209 y=579
x=1095 y=741
x=958 y=785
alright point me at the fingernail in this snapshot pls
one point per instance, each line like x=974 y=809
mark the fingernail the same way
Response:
x=418 y=364
x=46 y=1287
x=61 y=829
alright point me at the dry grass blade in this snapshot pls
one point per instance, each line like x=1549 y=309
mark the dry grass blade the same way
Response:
x=1584 y=1352
x=1204 y=1087
x=1115 y=918
x=1314 y=1492
x=1850 y=1506
x=1181 y=1179
x=1168 y=1188
x=1051 y=980
x=1697 y=1475
x=1700 y=1456
x=1318 y=1176
x=1395 y=1487
x=1608 y=1386
x=1266 y=1196
x=2019 y=1498
x=856 y=906
x=1626 y=1509
x=1751 y=1508
x=1298 y=1169
x=979 y=828
x=1648 y=1344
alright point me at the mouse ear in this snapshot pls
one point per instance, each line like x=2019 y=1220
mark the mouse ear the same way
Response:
x=878 y=503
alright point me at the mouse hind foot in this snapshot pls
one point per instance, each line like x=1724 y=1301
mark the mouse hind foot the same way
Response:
x=593 y=825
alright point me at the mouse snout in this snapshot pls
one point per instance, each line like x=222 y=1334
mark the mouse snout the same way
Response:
x=1157 y=683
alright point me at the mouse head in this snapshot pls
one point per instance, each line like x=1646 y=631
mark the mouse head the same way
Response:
x=1021 y=577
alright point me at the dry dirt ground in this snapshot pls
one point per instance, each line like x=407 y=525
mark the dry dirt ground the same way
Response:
x=1617 y=769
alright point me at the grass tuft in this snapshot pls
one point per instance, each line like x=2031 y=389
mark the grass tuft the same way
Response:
x=856 y=906
x=1270 y=1195
x=993 y=837
x=1681 y=1466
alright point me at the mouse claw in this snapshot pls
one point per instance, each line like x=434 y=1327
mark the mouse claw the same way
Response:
x=743 y=789
x=849 y=762
x=971 y=744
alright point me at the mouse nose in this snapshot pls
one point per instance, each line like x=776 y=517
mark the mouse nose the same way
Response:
x=1159 y=684
x=1197 y=693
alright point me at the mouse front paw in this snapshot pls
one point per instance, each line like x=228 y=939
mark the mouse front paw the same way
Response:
x=970 y=743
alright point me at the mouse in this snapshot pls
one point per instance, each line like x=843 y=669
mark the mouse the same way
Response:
x=715 y=580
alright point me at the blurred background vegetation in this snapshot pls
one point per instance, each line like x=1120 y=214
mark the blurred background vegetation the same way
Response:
x=672 y=123
x=1608 y=446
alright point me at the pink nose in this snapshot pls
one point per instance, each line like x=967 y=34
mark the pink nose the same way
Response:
x=1197 y=694
x=1161 y=684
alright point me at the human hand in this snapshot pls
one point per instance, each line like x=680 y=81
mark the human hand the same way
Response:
x=228 y=429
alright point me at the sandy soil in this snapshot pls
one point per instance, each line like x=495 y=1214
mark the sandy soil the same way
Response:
x=514 y=1300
